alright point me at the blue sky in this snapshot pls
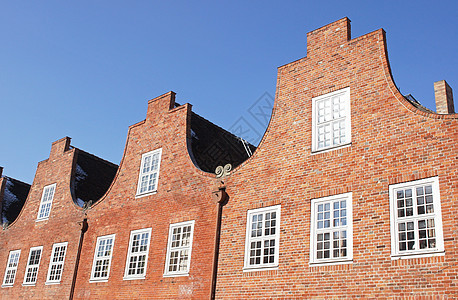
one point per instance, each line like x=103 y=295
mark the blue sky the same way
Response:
x=86 y=69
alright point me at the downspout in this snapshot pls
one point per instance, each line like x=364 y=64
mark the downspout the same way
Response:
x=221 y=197
x=84 y=227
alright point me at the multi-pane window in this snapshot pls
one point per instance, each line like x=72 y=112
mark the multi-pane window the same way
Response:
x=262 y=238
x=46 y=202
x=56 y=264
x=33 y=264
x=179 y=248
x=11 y=268
x=331 y=120
x=331 y=229
x=102 y=257
x=137 y=256
x=149 y=172
x=416 y=222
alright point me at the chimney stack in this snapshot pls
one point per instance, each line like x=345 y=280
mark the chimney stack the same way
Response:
x=444 y=97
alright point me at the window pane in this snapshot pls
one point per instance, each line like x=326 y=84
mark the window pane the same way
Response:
x=262 y=237
x=149 y=172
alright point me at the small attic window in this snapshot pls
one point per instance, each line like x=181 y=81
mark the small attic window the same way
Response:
x=149 y=172
x=331 y=126
x=46 y=202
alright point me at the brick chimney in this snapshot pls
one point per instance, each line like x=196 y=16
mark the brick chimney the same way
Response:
x=444 y=97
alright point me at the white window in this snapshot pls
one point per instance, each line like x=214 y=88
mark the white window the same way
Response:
x=262 y=238
x=149 y=172
x=11 y=268
x=416 y=222
x=179 y=249
x=102 y=257
x=46 y=202
x=331 y=120
x=56 y=264
x=331 y=231
x=33 y=264
x=137 y=256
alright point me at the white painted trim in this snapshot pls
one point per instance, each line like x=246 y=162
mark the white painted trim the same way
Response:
x=48 y=281
x=331 y=149
x=46 y=217
x=28 y=265
x=144 y=155
x=169 y=245
x=146 y=194
x=395 y=254
x=41 y=220
x=410 y=256
x=331 y=263
x=275 y=264
x=15 y=268
x=349 y=228
x=129 y=254
x=105 y=237
x=346 y=95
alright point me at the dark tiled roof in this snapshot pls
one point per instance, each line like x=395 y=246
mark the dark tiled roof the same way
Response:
x=417 y=104
x=14 y=197
x=92 y=177
x=212 y=146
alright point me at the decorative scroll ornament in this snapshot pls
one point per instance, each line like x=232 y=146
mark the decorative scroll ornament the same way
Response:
x=223 y=171
x=87 y=205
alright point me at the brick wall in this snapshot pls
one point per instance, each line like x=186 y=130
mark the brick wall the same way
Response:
x=183 y=194
x=62 y=226
x=391 y=142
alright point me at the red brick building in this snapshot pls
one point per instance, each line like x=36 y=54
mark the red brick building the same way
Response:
x=352 y=192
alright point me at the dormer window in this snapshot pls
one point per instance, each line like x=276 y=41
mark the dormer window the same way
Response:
x=149 y=172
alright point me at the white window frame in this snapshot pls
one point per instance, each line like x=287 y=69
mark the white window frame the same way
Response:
x=345 y=94
x=32 y=268
x=179 y=249
x=11 y=266
x=314 y=230
x=45 y=201
x=57 y=264
x=130 y=254
x=275 y=237
x=150 y=188
x=102 y=258
x=395 y=219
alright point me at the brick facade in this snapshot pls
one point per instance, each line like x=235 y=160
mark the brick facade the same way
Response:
x=393 y=141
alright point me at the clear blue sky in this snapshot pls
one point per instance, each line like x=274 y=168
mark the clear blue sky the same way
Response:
x=86 y=69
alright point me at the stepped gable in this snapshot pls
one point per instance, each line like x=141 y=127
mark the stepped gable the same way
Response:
x=212 y=146
x=91 y=178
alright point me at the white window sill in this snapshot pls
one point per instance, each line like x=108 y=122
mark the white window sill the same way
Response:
x=176 y=274
x=145 y=194
x=417 y=255
x=7 y=285
x=330 y=263
x=328 y=149
x=134 y=278
x=52 y=282
x=29 y=284
x=92 y=280
x=260 y=268
x=42 y=219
